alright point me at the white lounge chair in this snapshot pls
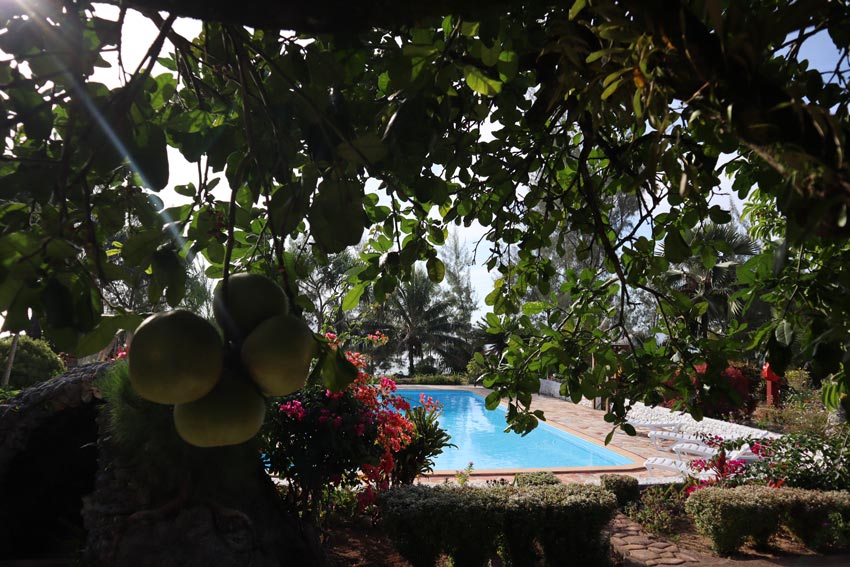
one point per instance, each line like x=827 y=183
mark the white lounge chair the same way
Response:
x=655 y=464
x=674 y=436
x=655 y=425
x=691 y=450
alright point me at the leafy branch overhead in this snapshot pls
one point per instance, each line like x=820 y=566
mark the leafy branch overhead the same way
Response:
x=532 y=120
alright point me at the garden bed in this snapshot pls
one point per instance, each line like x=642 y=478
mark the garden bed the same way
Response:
x=359 y=544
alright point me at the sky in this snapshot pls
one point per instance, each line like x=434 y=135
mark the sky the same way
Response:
x=139 y=32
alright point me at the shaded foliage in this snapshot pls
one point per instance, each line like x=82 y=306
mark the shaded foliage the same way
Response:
x=530 y=120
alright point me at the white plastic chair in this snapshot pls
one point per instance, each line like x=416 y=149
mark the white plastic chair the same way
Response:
x=655 y=425
x=654 y=464
x=674 y=436
x=691 y=450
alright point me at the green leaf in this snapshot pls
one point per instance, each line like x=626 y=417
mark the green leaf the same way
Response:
x=533 y=307
x=507 y=65
x=481 y=83
x=708 y=256
x=577 y=7
x=637 y=105
x=596 y=55
x=365 y=150
x=675 y=248
x=718 y=215
x=611 y=89
x=490 y=55
x=699 y=309
x=436 y=269
x=352 y=298
x=149 y=157
x=337 y=371
x=140 y=246
x=492 y=400
x=784 y=333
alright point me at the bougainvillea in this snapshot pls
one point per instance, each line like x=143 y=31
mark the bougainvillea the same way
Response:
x=318 y=438
x=740 y=391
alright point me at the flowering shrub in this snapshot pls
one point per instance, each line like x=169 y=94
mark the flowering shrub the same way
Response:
x=741 y=394
x=726 y=472
x=801 y=460
x=319 y=438
x=428 y=441
x=315 y=440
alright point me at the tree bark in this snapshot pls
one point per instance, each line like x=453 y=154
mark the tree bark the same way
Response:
x=7 y=371
x=225 y=513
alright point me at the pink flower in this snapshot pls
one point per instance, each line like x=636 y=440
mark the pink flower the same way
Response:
x=294 y=409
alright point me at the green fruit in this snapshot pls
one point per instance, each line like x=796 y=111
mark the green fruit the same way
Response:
x=251 y=299
x=175 y=357
x=278 y=354
x=231 y=414
x=337 y=218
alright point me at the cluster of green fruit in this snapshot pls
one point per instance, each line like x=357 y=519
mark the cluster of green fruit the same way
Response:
x=216 y=386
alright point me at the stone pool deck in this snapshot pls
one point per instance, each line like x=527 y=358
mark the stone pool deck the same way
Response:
x=581 y=421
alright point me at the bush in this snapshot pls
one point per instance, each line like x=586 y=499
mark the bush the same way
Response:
x=728 y=516
x=802 y=461
x=738 y=394
x=34 y=361
x=435 y=379
x=819 y=519
x=315 y=440
x=658 y=509
x=6 y=394
x=538 y=478
x=565 y=521
x=625 y=488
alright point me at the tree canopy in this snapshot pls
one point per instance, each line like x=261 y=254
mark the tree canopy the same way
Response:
x=528 y=118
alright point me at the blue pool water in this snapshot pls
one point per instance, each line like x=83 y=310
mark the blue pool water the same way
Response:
x=480 y=438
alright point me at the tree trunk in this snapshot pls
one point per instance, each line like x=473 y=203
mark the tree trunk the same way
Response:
x=66 y=484
x=7 y=371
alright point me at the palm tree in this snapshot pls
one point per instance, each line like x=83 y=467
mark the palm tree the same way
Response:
x=710 y=277
x=419 y=320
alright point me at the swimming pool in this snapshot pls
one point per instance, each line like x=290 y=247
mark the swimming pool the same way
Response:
x=480 y=439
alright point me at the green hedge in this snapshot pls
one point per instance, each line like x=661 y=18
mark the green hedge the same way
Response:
x=473 y=524
x=536 y=478
x=625 y=488
x=34 y=361
x=435 y=379
x=728 y=516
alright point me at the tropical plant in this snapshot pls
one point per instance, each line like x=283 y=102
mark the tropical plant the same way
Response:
x=427 y=441
x=708 y=277
x=419 y=318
